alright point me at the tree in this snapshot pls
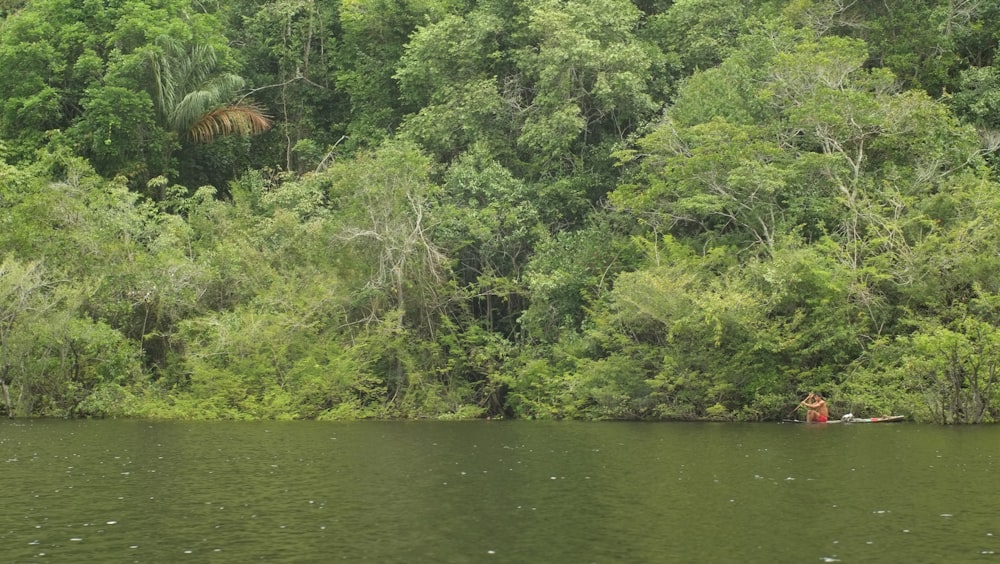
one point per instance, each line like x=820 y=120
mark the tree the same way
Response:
x=453 y=71
x=570 y=273
x=490 y=224
x=193 y=98
x=955 y=368
x=22 y=295
x=383 y=203
x=374 y=33
x=698 y=34
x=927 y=42
x=537 y=83
x=827 y=187
x=289 y=50
x=120 y=81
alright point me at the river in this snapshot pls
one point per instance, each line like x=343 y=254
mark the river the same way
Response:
x=497 y=491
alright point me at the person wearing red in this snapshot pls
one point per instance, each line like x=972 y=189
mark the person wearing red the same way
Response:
x=818 y=411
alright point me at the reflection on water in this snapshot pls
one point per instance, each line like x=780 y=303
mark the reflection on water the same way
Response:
x=130 y=491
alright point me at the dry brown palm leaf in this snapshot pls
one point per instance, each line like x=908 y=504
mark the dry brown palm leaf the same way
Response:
x=234 y=119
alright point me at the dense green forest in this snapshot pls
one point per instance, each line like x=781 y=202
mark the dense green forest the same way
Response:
x=594 y=209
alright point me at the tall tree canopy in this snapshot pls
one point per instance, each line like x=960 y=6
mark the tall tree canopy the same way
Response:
x=127 y=82
x=691 y=209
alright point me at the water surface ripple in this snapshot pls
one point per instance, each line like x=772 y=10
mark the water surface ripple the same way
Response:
x=488 y=491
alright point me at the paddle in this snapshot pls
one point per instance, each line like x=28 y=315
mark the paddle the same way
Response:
x=798 y=406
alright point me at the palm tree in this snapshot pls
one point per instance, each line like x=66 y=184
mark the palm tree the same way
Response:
x=195 y=99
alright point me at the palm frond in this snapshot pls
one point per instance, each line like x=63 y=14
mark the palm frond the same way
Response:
x=233 y=119
x=197 y=103
x=187 y=81
x=191 y=93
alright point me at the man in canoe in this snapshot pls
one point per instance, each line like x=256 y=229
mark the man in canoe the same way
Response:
x=817 y=412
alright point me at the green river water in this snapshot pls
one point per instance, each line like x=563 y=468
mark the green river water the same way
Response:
x=490 y=491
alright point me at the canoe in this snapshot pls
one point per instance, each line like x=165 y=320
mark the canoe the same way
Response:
x=852 y=419
x=886 y=419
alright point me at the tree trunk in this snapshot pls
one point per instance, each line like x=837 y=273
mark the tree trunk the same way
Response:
x=6 y=397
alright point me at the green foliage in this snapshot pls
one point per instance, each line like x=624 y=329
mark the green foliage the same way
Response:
x=953 y=368
x=191 y=94
x=263 y=362
x=979 y=99
x=587 y=69
x=375 y=33
x=593 y=209
x=551 y=77
x=569 y=273
x=490 y=223
x=926 y=43
x=85 y=368
x=718 y=178
x=119 y=79
x=118 y=134
x=384 y=214
x=288 y=53
x=52 y=360
x=698 y=34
